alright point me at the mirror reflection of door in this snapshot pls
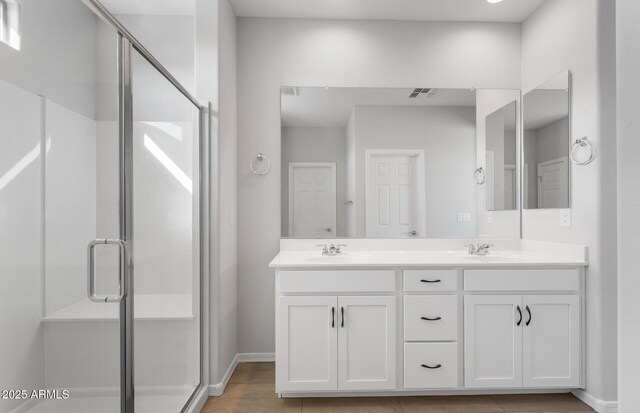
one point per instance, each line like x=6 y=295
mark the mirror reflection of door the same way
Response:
x=394 y=208
x=546 y=139
x=438 y=128
x=312 y=200
x=553 y=188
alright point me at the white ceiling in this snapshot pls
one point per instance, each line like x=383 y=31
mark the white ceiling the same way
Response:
x=320 y=107
x=514 y=11
x=151 y=7
x=423 y=10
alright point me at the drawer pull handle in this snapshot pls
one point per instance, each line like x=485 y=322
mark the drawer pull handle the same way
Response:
x=431 y=367
x=333 y=317
x=430 y=281
x=519 y=313
x=431 y=319
x=529 y=320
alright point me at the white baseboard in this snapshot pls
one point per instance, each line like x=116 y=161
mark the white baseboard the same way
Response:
x=216 y=390
x=199 y=401
x=598 y=405
x=256 y=357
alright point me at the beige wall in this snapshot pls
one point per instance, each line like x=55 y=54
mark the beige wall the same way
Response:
x=628 y=60
x=278 y=52
x=577 y=35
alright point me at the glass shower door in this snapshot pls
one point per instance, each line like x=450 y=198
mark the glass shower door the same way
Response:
x=99 y=211
x=166 y=258
x=60 y=182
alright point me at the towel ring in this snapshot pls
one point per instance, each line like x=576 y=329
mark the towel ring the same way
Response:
x=260 y=157
x=479 y=176
x=581 y=143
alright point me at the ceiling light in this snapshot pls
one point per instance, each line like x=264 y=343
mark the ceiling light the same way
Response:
x=494 y=1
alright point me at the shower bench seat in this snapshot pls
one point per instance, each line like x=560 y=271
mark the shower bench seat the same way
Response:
x=146 y=307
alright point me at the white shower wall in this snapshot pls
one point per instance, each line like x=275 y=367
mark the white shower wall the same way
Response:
x=21 y=304
x=160 y=200
x=70 y=204
x=58 y=191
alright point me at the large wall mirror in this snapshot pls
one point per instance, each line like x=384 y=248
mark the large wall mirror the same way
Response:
x=547 y=128
x=501 y=158
x=381 y=163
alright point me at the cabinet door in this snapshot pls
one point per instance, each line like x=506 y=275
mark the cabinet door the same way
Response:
x=493 y=341
x=307 y=343
x=551 y=343
x=367 y=343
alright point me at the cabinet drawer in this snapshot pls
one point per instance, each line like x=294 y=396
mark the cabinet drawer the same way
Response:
x=539 y=279
x=442 y=310
x=360 y=281
x=430 y=280
x=441 y=357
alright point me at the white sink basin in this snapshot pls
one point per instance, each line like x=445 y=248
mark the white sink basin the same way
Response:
x=345 y=257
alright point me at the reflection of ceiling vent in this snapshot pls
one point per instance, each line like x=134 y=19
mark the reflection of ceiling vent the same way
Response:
x=427 y=92
x=290 y=90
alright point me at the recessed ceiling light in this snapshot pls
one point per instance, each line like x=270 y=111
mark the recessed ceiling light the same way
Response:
x=494 y=1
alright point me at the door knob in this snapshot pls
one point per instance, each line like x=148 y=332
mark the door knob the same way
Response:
x=413 y=233
x=328 y=229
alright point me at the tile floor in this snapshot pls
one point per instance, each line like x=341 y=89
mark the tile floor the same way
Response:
x=252 y=390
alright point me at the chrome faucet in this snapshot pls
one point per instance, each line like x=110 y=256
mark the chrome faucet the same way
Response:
x=325 y=250
x=480 y=249
x=331 y=250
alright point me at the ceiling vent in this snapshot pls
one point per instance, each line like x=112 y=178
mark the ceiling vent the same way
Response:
x=427 y=92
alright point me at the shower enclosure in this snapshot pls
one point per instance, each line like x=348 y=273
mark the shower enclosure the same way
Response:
x=100 y=205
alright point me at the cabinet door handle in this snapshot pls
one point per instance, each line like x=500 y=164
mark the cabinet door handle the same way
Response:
x=520 y=313
x=342 y=312
x=529 y=320
x=426 y=366
x=431 y=319
x=430 y=281
x=333 y=317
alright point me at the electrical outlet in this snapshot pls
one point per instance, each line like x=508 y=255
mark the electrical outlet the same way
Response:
x=565 y=218
x=489 y=217
x=464 y=217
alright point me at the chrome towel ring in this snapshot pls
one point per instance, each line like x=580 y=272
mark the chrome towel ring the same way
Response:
x=581 y=143
x=479 y=176
x=260 y=165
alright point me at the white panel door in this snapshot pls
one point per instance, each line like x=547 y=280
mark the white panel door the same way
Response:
x=394 y=208
x=367 y=343
x=312 y=200
x=493 y=341
x=551 y=342
x=307 y=343
x=553 y=184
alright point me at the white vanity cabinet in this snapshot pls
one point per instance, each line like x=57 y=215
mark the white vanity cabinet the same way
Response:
x=397 y=330
x=526 y=340
x=307 y=356
x=327 y=341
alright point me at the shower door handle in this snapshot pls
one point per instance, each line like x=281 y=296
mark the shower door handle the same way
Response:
x=122 y=271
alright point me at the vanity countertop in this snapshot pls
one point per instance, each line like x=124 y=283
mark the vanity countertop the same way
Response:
x=428 y=258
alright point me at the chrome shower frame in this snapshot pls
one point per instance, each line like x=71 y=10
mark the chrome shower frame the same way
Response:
x=126 y=44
